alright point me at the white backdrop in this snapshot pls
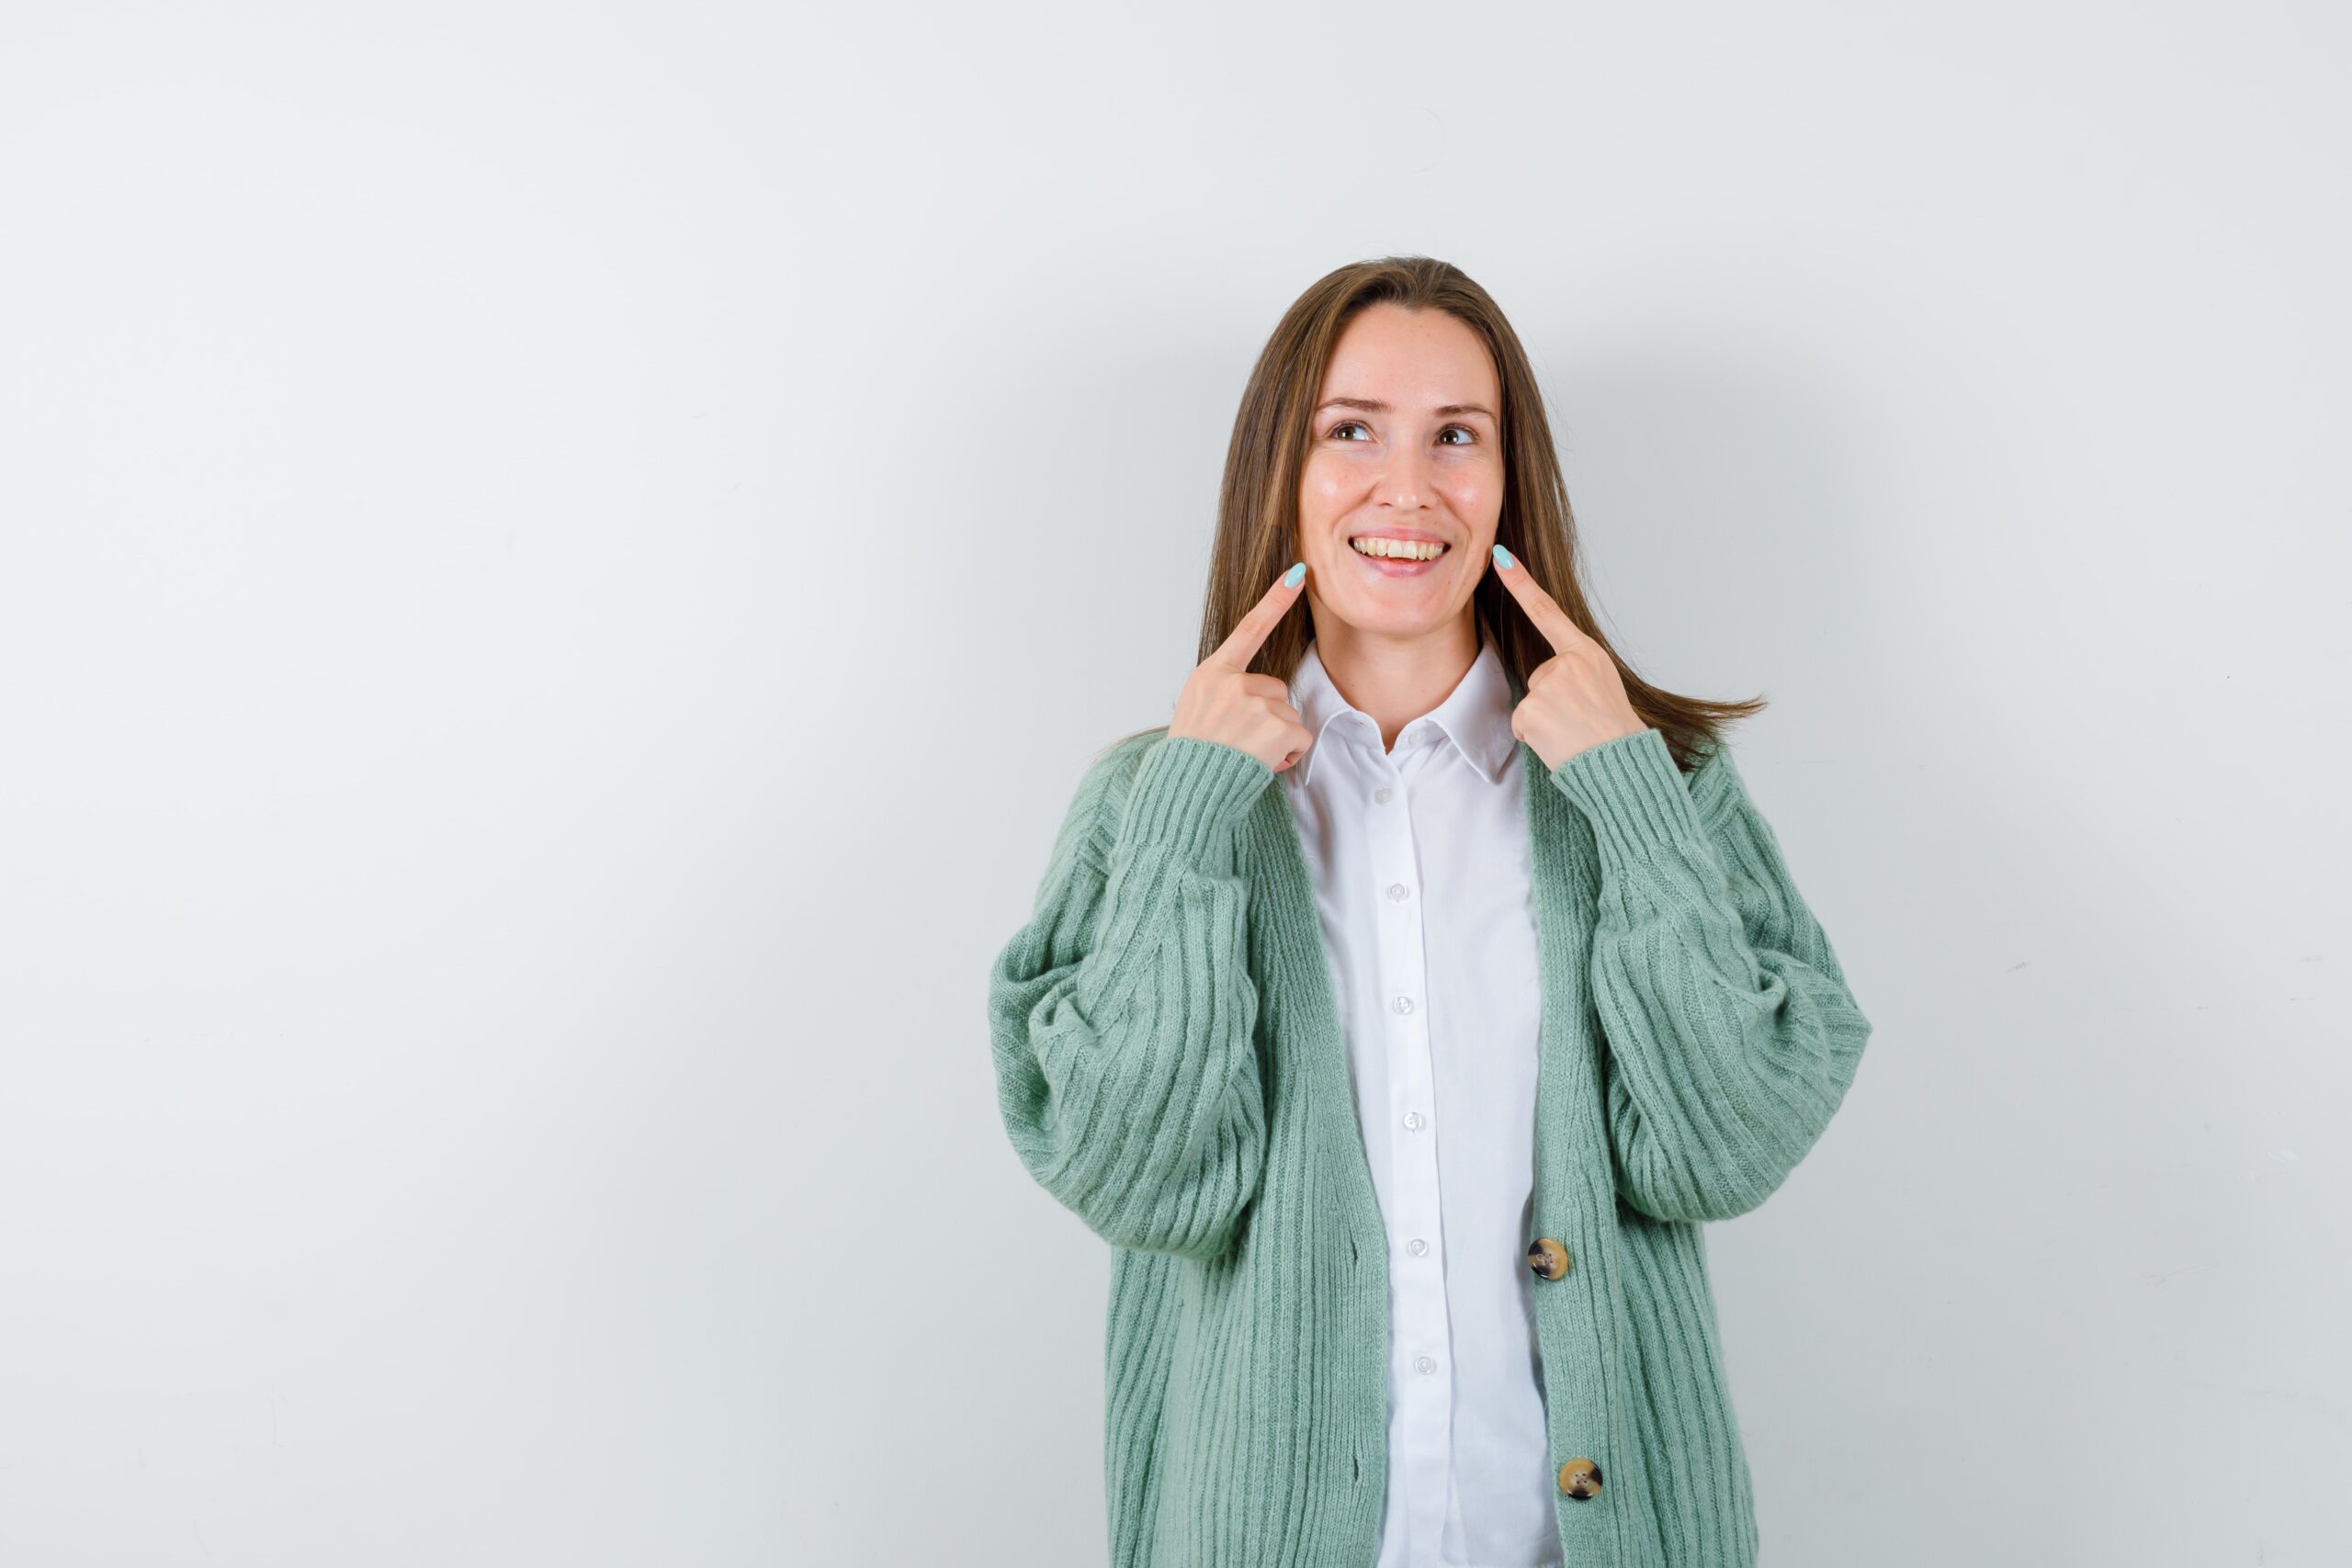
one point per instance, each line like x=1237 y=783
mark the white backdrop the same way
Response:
x=562 y=563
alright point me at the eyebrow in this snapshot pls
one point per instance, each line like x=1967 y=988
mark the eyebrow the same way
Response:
x=1372 y=405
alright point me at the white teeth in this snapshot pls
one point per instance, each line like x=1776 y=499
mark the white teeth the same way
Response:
x=1398 y=549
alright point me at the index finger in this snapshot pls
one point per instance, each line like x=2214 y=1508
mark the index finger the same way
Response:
x=1561 y=633
x=1237 y=650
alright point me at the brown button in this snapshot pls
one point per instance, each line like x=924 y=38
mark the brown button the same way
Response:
x=1548 y=1258
x=1580 y=1479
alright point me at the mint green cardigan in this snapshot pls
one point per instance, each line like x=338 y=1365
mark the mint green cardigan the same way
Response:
x=1172 y=1068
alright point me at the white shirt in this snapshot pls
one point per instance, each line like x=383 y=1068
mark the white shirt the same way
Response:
x=1419 y=858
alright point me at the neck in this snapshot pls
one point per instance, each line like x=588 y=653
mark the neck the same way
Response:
x=1396 y=680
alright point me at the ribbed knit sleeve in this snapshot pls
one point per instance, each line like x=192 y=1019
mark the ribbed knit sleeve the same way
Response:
x=1731 y=1035
x=1123 y=1014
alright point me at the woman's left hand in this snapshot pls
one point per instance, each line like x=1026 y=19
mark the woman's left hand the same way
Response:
x=1575 y=699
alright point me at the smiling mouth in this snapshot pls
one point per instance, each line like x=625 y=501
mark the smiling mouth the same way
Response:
x=1406 y=552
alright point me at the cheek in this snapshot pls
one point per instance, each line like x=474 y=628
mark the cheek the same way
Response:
x=1320 y=507
x=1480 y=509
x=1475 y=489
x=1320 y=479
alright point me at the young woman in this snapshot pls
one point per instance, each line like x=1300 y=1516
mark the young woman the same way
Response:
x=1402 y=1088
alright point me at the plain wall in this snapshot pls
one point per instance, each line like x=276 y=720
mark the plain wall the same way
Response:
x=562 y=564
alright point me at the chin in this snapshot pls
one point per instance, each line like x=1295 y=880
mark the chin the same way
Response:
x=1397 y=620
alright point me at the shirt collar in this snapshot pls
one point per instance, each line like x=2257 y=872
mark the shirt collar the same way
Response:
x=1475 y=716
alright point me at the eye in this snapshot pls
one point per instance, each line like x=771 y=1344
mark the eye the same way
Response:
x=1466 y=430
x=1345 y=424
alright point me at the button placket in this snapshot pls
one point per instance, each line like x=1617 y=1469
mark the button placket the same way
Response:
x=1470 y=966
x=1422 y=1335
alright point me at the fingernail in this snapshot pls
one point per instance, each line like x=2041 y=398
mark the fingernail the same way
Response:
x=1291 y=578
x=1502 y=559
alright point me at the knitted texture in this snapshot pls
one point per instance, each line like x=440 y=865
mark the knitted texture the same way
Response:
x=1172 y=1068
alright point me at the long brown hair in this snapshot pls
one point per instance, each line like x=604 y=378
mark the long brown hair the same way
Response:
x=1257 y=525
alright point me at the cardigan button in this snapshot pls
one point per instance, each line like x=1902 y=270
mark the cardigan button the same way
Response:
x=1548 y=1258
x=1580 y=1479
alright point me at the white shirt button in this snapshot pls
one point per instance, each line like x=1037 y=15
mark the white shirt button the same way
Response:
x=1413 y=1120
x=1382 y=796
x=1416 y=1246
x=1403 y=1004
x=1398 y=891
x=1424 y=1364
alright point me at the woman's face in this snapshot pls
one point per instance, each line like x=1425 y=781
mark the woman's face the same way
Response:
x=1407 y=447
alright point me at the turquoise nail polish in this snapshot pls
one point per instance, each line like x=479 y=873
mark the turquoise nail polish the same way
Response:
x=1291 y=578
x=1502 y=559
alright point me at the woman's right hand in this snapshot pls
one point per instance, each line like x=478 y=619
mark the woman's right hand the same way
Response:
x=1222 y=701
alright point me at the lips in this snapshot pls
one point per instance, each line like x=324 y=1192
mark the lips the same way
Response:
x=1384 y=566
x=1384 y=538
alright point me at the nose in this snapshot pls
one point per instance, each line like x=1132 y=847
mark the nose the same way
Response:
x=1404 y=484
